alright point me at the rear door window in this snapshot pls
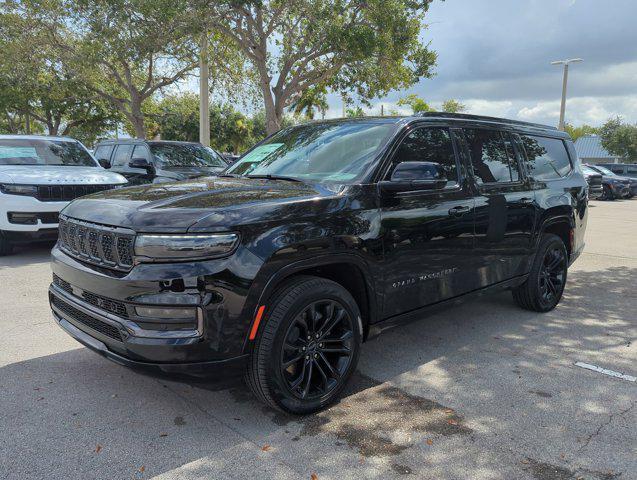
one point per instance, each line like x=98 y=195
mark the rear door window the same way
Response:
x=122 y=155
x=103 y=152
x=492 y=156
x=546 y=158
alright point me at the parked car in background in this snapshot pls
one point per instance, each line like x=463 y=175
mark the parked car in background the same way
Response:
x=623 y=169
x=142 y=161
x=316 y=240
x=594 y=179
x=230 y=157
x=39 y=175
x=612 y=188
x=631 y=183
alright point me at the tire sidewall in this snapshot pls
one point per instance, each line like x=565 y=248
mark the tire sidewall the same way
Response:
x=276 y=383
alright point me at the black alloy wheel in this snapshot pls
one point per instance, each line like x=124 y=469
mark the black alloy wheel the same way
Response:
x=544 y=286
x=307 y=345
x=317 y=350
x=552 y=274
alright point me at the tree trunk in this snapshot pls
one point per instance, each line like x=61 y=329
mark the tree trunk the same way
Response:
x=136 y=117
x=272 y=120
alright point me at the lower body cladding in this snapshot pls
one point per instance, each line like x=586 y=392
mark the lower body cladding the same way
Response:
x=174 y=324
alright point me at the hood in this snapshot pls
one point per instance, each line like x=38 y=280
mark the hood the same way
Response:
x=54 y=175
x=184 y=173
x=204 y=204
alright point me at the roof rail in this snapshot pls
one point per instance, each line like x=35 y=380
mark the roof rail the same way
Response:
x=466 y=116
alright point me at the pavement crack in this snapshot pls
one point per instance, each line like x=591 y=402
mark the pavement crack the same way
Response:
x=599 y=429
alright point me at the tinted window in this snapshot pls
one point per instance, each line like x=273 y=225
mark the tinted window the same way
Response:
x=122 y=155
x=141 y=151
x=186 y=155
x=103 y=152
x=44 y=152
x=492 y=156
x=321 y=151
x=631 y=170
x=433 y=150
x=546 y=157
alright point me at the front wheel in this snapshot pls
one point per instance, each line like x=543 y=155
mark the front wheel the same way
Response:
x=5 y=246
x=607 y=194
x=308 y=347
x=544 y=286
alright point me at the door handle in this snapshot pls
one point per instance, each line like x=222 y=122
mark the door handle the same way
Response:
x=525 y=200
x=458 y=211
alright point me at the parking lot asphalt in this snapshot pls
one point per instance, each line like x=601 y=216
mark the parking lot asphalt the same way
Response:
x=483 y=390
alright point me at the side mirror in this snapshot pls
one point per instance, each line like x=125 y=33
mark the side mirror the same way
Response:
x=409 y=176
x=104 y=163
x=140 y=162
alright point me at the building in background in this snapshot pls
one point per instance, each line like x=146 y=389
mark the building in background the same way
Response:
x=589 y=150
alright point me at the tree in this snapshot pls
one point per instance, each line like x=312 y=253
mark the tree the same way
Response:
x=313 y=97
x=124 y=51
x=416 y=103
x=620 y=139
x=577 y=132
x=368 y=48
x=354 y=112
x=453 y=106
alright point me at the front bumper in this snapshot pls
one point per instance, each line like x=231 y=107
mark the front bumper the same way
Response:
x=26 y=204
x=99 y=339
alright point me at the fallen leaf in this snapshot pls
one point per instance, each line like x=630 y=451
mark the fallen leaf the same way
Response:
x=430 y=442
x=98 y=448
x=141 y=469
x=451 y=421
x=448 y=411
x=163 y=434
x=314 y=476
x=524 y=461
x=266 y=448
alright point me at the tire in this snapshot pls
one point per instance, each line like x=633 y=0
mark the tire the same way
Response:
x=532 y=294
x=6 y=248
x=608 y=194
x=284 y=337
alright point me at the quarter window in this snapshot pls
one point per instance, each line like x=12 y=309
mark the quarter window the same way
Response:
x=122 y=155
x=103 y=152
x=492 y=156
x=546 y=158
x=434 y=147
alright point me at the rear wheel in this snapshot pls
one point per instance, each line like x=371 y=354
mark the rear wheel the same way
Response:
x=308 y=348
x=543 y=288
x=6 y=248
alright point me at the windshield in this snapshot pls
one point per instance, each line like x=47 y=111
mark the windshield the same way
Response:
x=22 y=151
x=589 y=171
x=170 y=155
x=604 y=170
x=338 y=152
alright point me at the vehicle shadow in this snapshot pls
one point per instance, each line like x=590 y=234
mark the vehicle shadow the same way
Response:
x=27 y=254
x=458 y=377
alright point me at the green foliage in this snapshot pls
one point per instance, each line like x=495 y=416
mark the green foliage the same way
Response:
x=314 y=97
x=354 y=112
x=416 y=103
x=453 y=106
x=620 y=139
x=363 y=48
x=577 y=132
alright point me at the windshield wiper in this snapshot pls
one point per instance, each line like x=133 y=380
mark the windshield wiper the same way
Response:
x=275 y=177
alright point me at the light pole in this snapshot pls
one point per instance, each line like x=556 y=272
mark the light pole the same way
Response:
x=204 y=93
x=564 y=81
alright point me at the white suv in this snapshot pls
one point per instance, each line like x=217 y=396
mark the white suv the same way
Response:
x=39 y=175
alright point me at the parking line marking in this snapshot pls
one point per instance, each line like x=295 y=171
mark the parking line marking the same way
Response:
x=605 y=371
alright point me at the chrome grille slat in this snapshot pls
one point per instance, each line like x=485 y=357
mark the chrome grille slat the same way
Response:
x=108 y=247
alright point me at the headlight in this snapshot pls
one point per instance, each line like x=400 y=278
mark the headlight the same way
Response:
x=11 y=189
x=184 y=247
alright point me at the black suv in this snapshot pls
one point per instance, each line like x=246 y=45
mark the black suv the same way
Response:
x=142 y=161
x=316 y=240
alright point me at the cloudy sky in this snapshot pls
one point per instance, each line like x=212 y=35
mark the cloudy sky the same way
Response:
x=494 y=56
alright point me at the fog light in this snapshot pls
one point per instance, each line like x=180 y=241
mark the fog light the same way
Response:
x=167 y=313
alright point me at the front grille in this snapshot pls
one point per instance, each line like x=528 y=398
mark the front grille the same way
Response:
x=86 y=320
x=594 y=180
x=31 y=218
x=65 y=193
x=97 y=244
x=108 y=304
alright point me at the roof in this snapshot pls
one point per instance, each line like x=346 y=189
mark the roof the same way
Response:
x=36 y=137
x=141 y=140
x=481 y=118
x=590 y=146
